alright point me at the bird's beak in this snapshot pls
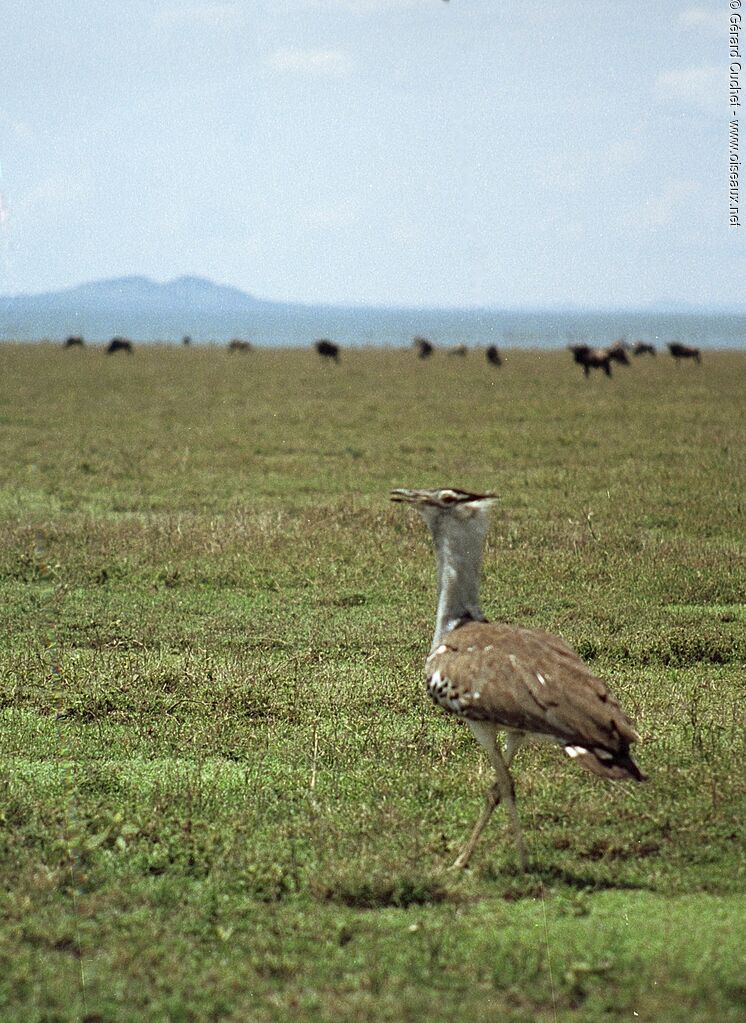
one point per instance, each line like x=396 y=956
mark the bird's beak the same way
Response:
x=402 y=495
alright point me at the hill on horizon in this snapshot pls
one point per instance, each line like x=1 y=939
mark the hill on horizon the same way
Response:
x=146 y=311
x=135 y=306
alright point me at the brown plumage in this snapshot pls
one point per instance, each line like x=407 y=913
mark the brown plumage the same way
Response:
x=525 y=682
x=532 y=683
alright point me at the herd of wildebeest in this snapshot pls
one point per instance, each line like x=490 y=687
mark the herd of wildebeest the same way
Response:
x=587 y=356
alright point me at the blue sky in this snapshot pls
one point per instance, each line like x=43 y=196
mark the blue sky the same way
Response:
x=475 y=152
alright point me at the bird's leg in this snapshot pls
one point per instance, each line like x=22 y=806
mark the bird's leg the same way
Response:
x=513 y=742
x=502 y=791
x=507 y=795
x=493 y=798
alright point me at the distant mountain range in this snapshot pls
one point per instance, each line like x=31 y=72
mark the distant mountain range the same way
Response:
x=137 y=307
x=145 y=310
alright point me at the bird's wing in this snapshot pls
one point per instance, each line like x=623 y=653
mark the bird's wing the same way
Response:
x=528 y=680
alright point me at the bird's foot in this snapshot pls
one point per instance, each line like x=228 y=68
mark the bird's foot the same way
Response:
x=462 y=860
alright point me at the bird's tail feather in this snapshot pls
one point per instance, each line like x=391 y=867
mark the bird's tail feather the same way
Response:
x=604 y=763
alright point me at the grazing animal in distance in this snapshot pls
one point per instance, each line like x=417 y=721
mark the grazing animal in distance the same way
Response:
x=591 y=358
x=424 y=347
x=186 y=340
x=327 y=349
x=75 y=341
x=680 y=351
x=459 y=350
x=119 y=344
x=618 y=353
x=237 y=345
x=643 y=348
x=493 y=356
x=524 y=682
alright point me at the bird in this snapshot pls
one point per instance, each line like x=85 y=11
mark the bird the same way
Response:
x=505 y=678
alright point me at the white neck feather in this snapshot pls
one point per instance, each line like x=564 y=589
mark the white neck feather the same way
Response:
x=458 y=541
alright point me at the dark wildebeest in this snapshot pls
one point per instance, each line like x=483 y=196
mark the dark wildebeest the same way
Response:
x=493 y=356
x=74 y=342
x=459 y=350
x=119 y=344
x=186 y=340
x=237 y=345
x=618 y=352
x=424 y=347
x=327 y=349
x=591 y=358
x=680 y=351
x=643 y=348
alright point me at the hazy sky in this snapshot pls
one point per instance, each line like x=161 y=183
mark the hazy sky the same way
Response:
x=475 y=152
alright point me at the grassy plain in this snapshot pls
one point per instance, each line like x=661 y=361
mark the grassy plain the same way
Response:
x=224 y=795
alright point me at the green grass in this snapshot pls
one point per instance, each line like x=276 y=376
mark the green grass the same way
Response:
x=223 y=792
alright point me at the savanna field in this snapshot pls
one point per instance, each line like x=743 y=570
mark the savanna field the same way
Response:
x=224 y=794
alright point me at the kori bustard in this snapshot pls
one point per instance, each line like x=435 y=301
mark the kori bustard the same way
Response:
x=526 y=682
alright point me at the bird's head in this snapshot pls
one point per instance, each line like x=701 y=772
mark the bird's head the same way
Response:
x=446 y=504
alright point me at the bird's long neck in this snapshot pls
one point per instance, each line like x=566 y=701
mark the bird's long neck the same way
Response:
x=458 y=551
